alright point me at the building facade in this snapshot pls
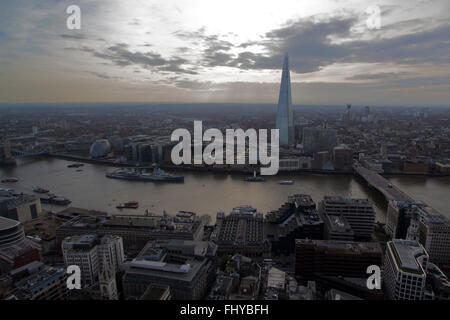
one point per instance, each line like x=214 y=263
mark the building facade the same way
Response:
x=358 y=212
x=242 y=231
x=405 y=270
x=335 y=258
x=93 y=254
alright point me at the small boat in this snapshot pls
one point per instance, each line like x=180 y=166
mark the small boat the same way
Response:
x=128 y=205
x=79 y=170
x=40 y=190
x=75 y=165
x=286 y=182
x=47 y=198
x=10 y=180
x=254 y=178
x=60 y=201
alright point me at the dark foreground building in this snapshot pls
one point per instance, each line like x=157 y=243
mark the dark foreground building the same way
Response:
x=334 y=258
x=296 y=219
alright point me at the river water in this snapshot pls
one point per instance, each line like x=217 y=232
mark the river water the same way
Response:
x=203 y=192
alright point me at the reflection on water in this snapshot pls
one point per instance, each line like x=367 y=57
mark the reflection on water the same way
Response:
x=202 y=192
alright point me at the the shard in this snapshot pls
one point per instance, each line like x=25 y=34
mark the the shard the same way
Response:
x=285 y=120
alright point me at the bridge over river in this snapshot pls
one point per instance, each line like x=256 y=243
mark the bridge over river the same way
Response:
x=383 y=185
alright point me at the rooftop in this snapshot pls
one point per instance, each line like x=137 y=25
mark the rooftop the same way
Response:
x=406 y=254
x=346 y=246
x=342 y=200
x=6 y=223
x=179 y=272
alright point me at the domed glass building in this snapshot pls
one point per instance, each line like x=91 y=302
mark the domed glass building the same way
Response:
x=100 y=148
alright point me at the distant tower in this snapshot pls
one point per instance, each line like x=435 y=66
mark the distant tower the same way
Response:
x=107 y=281
x=349 y=115
x=285 y=118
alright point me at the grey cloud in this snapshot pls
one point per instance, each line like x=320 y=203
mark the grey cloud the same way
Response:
x=120 y=55
x=310 y=46
x=75 y=36
x=98 y=74
x=377 y=76
x=214 y=50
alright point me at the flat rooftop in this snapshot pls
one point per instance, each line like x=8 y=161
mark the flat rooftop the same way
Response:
x=348 y=246
x=342 y=200
x=406 y=254
x=156 y=269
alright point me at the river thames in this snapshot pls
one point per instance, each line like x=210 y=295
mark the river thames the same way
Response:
x=203 y=192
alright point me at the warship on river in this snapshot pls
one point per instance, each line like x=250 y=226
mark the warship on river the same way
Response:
x=143 y=175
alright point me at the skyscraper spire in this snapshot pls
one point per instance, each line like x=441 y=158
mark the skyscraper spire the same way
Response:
x=285 y=121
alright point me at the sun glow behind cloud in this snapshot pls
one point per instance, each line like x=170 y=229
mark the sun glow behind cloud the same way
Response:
x=201 y=50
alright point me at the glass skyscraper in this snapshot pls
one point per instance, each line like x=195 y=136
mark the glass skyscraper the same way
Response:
x=285 y=119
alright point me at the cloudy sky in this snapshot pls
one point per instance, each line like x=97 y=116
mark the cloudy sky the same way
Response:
x=226 y=51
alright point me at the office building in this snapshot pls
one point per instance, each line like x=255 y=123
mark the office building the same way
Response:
x=156 y=292
x=135 y=230
x=405 y=270
x=337 y=228
x=358 y=212
x=343 y=158
x=296 y=219
x=21 y=207
x=15 y=249
x=186 y=267
x=285 y=117
x=399 y=216
x=322 y=161
x=242 y=231
x=36 y=281
x=319 y=139
x=315 y=258
x=93 y=254
x=434 y=233
x=413 y=220
x=100 y=148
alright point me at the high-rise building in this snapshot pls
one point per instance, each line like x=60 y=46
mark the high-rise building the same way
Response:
x=413 y=220
x=405 y=270
x=93 y=255
x=285 y=117
x=349 y=114
x=434 y=230
x=319 y=139
x=82 y=252
x=343 y=158
x=358 y=212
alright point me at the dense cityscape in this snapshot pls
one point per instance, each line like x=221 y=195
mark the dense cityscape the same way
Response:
x=302 y=251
